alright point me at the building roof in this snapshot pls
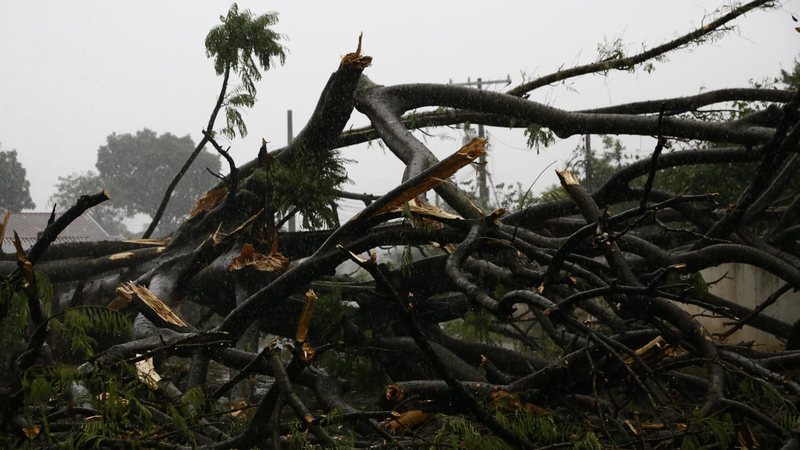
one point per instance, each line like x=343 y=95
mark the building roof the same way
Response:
x=28 y=225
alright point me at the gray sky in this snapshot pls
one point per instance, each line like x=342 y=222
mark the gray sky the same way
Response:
x=74 y=72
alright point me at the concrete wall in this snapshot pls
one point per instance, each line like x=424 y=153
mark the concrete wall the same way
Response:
x=749 y=286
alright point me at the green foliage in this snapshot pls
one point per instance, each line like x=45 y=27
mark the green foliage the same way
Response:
x=610 y=50
x=80 y=326
x=242 y=44
x=15 y=194
x=539 y=136
x=587 y=441
x=76 y=328
x=39 y=391
x=791 y=79
x=701 y=179
x=327 y=323
x=240 y=38
x=307 y=181
x=473 y=327
x=541 y=430
x=361 y=372
x=327 y=326
x=513 y=197
x=698 y=287
x=459 y=432
x=706 y=179
x=18 y=318
x=604 y=163
x=765 y=397
x=407 y=261
x=298 y=437
x=715 y=431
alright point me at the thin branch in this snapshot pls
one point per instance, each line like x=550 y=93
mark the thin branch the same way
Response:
x=185 y=168
x=631 y=61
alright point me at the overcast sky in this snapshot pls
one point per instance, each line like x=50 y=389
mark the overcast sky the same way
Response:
x=75 y=72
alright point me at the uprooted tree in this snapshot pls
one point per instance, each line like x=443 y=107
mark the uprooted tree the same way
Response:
x=561 y=324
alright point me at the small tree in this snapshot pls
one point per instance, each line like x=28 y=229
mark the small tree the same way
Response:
x=235 y=46
x=15 y=192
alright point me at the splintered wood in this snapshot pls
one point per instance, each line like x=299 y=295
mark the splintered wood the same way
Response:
x=443 y=170
x=567 y=178
x=356 y=59
x=425 y=209
x=218 y=236
x=126 y=293
x=249 y=257
x=305 y=317
x=153 y=242
x=208 y=201
x=146 y=372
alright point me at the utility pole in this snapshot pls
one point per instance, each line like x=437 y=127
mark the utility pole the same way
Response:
x=483 y=188
x=588 y=163
x=289 y=138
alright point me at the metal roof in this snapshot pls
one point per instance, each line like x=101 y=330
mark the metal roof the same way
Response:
x=28 y=225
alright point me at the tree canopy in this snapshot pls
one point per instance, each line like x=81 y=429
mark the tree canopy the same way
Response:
x=15 y=192
x=245 y=45
x=135 y=170
x=590 y=320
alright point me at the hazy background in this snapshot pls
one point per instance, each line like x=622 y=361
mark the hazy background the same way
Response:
x=74 y=72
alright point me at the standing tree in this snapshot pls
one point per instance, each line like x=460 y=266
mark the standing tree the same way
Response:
x=241 y=45
x=135 y=169
x=559 y=325
x=15 y=192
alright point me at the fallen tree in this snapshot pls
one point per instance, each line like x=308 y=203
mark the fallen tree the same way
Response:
x=561 y=324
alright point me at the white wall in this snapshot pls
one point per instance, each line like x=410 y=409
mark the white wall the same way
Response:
x=749 y=286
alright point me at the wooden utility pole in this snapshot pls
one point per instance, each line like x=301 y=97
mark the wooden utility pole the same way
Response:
x=483 y=188
x=289 y=138
x=588 y=162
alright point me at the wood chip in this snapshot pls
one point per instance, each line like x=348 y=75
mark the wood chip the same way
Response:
x=146 y=372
